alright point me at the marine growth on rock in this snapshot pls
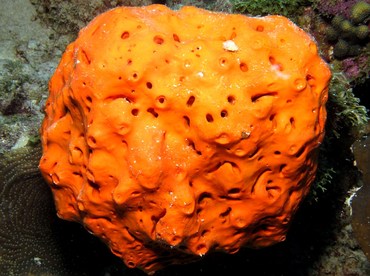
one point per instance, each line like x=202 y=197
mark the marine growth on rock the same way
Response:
x=170 y=134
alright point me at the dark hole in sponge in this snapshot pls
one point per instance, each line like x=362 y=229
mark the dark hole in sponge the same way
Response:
x=258 y=96
x=125 y=35
x=226 y=212
x=135 y=112
x=204 y=196
x=158 y=40
x=209 y=118
x=243 y=67
x=190 y=101
x=192 y=145
x=161 y=99
x=233 y=191
x=153 y=112
x=176 y=38
x=224 y=113
x=187 y=120
x=231 y=99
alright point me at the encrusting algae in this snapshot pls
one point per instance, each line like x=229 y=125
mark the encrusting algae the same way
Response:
x=169 y=134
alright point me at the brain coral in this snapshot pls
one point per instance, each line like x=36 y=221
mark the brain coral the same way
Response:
x=169 y=134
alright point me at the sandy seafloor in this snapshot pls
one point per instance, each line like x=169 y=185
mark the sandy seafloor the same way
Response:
x=321 y=240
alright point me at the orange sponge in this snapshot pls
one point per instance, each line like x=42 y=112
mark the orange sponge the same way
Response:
x=169 y=134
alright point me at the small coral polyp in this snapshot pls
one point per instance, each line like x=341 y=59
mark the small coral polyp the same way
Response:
x=167 y=144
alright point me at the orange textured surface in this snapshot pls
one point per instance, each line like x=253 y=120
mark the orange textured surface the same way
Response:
x=169 y=134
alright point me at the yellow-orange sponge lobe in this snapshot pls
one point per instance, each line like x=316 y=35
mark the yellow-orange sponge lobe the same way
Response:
x=172 y=133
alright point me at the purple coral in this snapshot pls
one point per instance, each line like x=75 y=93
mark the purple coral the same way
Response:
x=350 y=67
x=355 y=67
x=336 y=7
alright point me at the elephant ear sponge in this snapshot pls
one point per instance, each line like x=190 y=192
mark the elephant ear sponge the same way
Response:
x=169 y=134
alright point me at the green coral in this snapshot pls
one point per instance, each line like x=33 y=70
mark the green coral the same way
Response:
x=362 y=32
x=341 y=49
x=346 y=26
x=360 y=12
x=346 y=114
x=337 y=20
x=332 y=34
x=348 y=37
x=287 y=8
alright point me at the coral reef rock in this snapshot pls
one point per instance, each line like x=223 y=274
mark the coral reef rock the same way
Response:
x=360 y=202
x=169 y=134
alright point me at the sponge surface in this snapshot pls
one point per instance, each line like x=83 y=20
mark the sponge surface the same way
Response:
x=172 y=133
